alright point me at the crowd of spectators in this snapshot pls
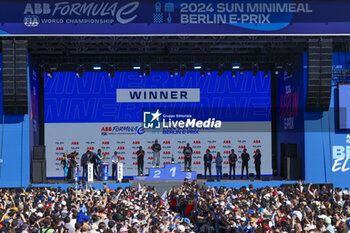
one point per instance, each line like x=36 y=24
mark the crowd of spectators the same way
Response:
x=189 y=208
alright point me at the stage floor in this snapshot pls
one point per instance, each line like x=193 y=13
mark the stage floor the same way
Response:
x=162 y=185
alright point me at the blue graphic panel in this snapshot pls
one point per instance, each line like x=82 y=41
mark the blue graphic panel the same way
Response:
x=93 y=98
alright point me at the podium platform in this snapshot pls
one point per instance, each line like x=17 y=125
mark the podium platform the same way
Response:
x=169 y=172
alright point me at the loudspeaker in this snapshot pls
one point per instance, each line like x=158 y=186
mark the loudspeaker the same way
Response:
x=39 y=152
x=226 y=175
x=39 y=171
x=319 y=74
x=14 y=76
x=199 y=176
x=210 y=179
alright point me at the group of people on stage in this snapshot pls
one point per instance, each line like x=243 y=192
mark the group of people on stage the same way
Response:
x=232 y=159
x=69 y=162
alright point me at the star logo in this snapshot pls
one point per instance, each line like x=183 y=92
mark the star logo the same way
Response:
x=151 y=120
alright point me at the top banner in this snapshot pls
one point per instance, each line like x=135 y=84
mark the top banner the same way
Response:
x=174 y=17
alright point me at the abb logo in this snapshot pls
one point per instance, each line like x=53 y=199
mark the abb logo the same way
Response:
x=227 y=142
x=150 y=148
x=226 y=162
x=134 y=163
x=59 y=148
x=90 y=148
x=136 y=142
x=197 y=162
x=106 y=129
x=166 y=152
x=181 y=147
x=196 y=152
x=196 y=142
x=214 y=157
x=150 y=158
x=134 y=153
x=181 y=157
x=166 y=142
x=166 y=163
x=226 y=152
x=256 y=141
x=105 y=143
x=75 y=143
x=121 y=148
x=239 y=157
x=105 y=153
x=122 y=158
x=241 y=147
x=58 y=159
x=212 y=147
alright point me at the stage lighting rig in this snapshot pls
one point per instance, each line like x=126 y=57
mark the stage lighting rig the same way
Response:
x=255 y=69
x=221 y=69
x=80 y=71
x=183 y=69
x=111 y=71
x=147 y=70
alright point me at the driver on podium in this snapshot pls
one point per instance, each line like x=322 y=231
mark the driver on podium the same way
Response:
x=115 y=160
x=188 y=157
x=84 y=164
x=100 y=158
x=156 y=147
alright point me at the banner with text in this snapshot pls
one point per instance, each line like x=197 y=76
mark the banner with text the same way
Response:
x=175 y=17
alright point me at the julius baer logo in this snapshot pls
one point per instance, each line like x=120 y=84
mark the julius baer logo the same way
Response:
x=157 y=120
x=341 y=156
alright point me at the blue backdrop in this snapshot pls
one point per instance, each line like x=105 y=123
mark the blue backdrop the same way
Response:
x=92 y=98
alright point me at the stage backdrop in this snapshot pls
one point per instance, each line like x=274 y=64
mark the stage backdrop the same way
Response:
x=115 y=114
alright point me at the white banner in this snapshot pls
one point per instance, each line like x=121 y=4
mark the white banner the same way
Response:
x=125 y=138
x=158 y=95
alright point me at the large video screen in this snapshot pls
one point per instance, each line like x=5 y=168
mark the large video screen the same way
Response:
x=117 y=114
x=344 y=106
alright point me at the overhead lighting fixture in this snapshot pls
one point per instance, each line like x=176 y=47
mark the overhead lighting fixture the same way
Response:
x=266 y=74
x=147 y=70
x=171 y=74
x=97 y=67
x=197 y=66
x=111 y=71
x=140 y=74
x=236 y=66
x=289 y=69
x=255 y=69
x=183 y=69
x=221 y=69
x=202 y=74
x=80 y=71
x=136 y=67
x=233 y=74
x=50 y=74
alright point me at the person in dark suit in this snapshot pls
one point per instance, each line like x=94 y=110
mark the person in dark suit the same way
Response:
x=207 y=163
x=245 y=159
x=84 y=164
x=232 y=159
x=257 y=162
x=140 y=160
